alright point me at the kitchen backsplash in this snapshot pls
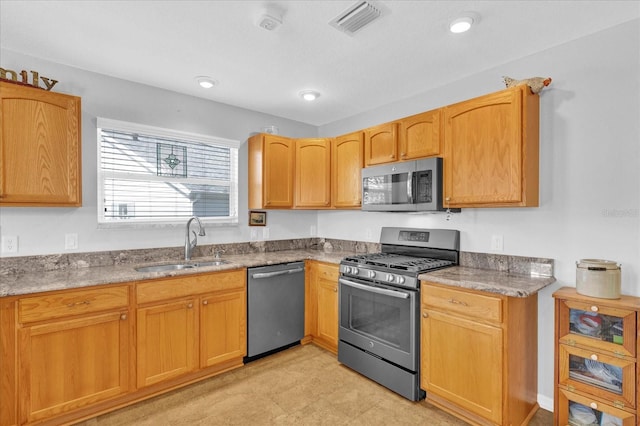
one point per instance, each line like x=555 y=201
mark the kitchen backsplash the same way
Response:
x=30 y=264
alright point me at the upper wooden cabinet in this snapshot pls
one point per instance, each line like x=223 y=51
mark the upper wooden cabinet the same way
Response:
x=39 y=147
x=347 y=161
x=381 y=144
x=313 y=173
x=271 y=171
x=491 y=150
x=420 y=135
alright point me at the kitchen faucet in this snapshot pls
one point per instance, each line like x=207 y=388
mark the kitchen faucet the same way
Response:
x=190 y=244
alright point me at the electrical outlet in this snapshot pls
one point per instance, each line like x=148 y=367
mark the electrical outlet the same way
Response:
x=265 y=232
x=312 y=231
x=10 y=244
x=70 y=241
x=368 y=234
x=254 y=234
x=497 y=243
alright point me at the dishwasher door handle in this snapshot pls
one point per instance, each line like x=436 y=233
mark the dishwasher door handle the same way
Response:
x=372 y=289
x=260 y=275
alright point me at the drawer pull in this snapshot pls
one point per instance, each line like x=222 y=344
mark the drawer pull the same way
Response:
x=205 y=302
x=594 y=308
x=457 y=302
x=594 y=357
x=190 y=305
x=123 y=317
x=84 y=302
x=593 y=405
x=425 y=314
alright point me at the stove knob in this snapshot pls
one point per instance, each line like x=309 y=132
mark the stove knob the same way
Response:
x=400 y=279
x=347 y=269
x=354 y=270
x=372 y=274
x=390 y=278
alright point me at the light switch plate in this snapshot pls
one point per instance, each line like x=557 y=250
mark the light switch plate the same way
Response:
x=70 y=241
x=497 y=243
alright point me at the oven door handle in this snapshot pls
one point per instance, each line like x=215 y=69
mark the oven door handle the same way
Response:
x=378 y=290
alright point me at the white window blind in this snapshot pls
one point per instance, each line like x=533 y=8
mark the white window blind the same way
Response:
x=150 y=175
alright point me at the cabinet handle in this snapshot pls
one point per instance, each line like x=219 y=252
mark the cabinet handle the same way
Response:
x=457 y=302
x=594 y=308
x=190 y=305
x=205 y=302
x=123 y=317
x=594 y=357
x=84 y=302
x=447 y=199
x=425 y=314
x=335 y=289
x=593 y=405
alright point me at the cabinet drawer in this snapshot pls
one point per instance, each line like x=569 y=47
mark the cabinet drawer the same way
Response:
x=594 y=325
x=601 y=375
x=328 y=272
x=58 y=305
x=176 y=287
x=572 y=406
x=462 y=302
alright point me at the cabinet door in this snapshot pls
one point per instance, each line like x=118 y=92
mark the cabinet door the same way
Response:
x=491 y=151
x=574 y=409
x=67 y=364
x=381 y=144
x=326 y=290
x=420 y=136
x=462 y=363
x=39 y=147
x=313 y=173
x=347 y=162
x=167 y=341
x=278 y=171
x=223 y=327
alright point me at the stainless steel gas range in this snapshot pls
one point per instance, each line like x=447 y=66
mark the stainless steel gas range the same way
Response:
x=379 y=305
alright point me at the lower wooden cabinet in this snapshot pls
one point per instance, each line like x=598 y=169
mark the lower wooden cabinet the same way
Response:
x=322 y=312
x=67 y=355
x=479 y=354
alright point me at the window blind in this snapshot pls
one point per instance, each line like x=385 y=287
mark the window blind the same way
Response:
x=151 y=175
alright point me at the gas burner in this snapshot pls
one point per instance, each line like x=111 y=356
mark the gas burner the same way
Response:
x=399 y=262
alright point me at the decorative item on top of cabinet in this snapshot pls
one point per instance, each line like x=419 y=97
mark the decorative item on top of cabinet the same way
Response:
x=596 y=350
x=420 y=135
x=381 y=144
x=347 y=161
x=40 y=144
x=491 y=150
x=479 y=354
x=313 y=173
x=271 y=171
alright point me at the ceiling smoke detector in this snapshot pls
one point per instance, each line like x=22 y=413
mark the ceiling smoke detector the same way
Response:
x=356 y=17
x=269 y=22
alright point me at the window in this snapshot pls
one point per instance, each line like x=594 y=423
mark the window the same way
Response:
x=150 y=175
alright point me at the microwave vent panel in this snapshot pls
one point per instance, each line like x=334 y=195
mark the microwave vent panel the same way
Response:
x=356 y=17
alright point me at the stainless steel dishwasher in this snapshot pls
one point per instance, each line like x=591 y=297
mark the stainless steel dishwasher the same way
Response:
x=275 y=308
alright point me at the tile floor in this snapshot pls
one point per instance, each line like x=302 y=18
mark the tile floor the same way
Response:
x=304 y=385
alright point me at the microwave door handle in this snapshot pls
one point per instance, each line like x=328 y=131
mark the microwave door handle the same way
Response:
x=410 y=179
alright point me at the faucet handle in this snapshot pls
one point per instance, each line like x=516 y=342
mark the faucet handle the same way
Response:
x=217 y=253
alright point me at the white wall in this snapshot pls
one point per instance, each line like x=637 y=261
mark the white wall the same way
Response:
x=41 y=230
x=589 y=169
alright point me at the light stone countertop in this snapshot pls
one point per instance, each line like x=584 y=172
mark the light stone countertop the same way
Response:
x=505 y=283
x=493 y=281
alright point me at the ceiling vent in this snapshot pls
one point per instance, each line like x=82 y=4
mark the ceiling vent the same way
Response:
x=356 y=17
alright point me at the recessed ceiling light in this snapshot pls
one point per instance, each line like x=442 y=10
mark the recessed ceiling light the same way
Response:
x=309 y=95
x=206 y=82
x=461 y=24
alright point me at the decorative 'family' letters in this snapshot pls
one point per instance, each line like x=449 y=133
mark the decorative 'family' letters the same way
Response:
x=23 y=77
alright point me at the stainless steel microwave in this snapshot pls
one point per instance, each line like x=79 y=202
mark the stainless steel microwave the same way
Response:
x=407 y=186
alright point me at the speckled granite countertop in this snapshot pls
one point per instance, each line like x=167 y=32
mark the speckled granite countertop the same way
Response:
x=27 y=283
x=515 y=276
x=492 y=281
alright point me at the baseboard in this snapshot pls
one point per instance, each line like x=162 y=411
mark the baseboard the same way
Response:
x=545 y=402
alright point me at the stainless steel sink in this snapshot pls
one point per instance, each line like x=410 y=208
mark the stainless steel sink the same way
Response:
x=178 y=266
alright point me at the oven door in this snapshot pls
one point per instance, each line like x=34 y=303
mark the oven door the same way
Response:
x=381 y=320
